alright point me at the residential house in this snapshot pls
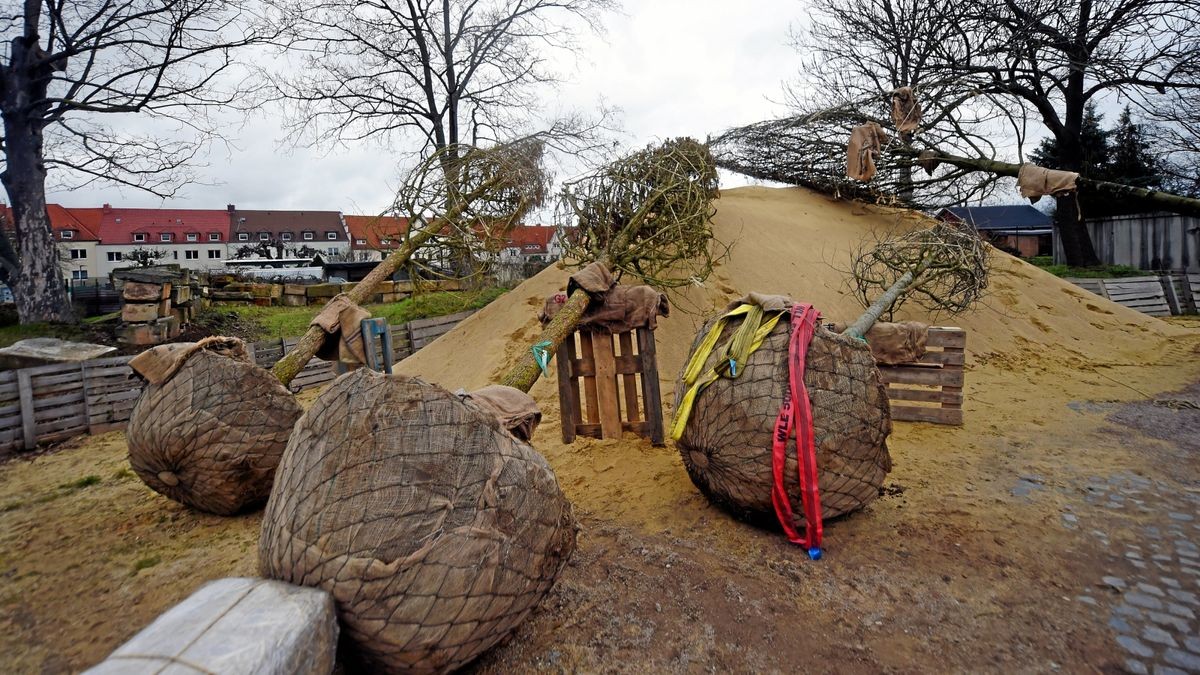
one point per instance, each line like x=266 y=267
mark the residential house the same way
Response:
x=192 y=238
x=373 y=237
x=529 y=243
x=287 y=234
x=76 y=233
x=1018 y=228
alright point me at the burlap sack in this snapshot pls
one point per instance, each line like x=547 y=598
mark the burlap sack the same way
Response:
x=618 y=310
x=513 y=408
x=1035 y=182
x=895 y=343
x=906 y=110
x=726 y=445
x=210 y=435
x=866 y=142
x=435 y=531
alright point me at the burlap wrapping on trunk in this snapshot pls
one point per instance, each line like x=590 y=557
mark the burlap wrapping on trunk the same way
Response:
x=726 y=445
x=341 y=320
x=895 y=343
x=866 y=142
x=906 y=110
x=435 y=531
x=1036 y=182
x=618 y=310
x=514 y=409
x=211 y=435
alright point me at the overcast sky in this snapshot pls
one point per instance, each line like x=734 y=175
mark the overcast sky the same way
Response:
x=673 y=67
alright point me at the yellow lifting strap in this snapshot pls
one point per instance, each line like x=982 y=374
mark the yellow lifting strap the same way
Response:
x=748 y=338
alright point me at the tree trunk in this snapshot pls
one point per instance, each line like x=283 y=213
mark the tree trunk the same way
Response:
x=1073 y=233
x=883 y=303
x=37 y=286
x=526 y=373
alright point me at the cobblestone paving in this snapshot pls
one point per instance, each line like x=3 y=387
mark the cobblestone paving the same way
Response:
x=1151 y=592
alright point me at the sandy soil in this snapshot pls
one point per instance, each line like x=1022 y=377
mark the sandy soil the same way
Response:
x=963 y=564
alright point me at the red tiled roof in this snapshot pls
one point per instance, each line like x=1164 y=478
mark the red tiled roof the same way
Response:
x=373 y=229
x=118 y=225
x=292 y=222
x=530 y=238
x=84 y=222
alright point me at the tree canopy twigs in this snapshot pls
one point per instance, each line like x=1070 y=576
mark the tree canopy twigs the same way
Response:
x=647 y=214
x=942 y=268
x=457 y=197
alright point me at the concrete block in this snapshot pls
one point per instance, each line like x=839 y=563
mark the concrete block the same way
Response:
x=289 y=300
x=138 y=312
x=236 y=626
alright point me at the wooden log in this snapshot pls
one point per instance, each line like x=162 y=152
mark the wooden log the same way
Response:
x=568 y=390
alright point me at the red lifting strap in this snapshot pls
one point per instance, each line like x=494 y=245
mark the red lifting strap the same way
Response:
x=797 y=410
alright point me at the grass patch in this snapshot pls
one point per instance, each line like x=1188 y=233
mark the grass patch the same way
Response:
x=1100 y=272
x=264 y=323
x=146 y=562
x=17 y=332
x=86 y=481
x=123 y=474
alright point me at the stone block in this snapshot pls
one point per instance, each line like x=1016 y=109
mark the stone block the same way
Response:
x=180 y=314
x=323 y=290
x=181 y=294
x=263 y=302
x=138 y=291
x=294 y=289
x=230 y=296
x=137 y=334
x=164 y=308
x=386 y=286
x=289 y=300
x=139 y=312
x=166 y=328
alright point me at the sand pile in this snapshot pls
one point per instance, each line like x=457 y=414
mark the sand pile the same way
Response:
x=1033 y=328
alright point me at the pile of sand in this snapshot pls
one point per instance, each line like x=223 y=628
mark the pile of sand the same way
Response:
x=1034 y=340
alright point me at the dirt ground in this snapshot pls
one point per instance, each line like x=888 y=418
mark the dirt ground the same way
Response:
x=987 y=550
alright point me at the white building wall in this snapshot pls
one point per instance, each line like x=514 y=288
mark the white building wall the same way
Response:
x=76 y=257
x=176 y=254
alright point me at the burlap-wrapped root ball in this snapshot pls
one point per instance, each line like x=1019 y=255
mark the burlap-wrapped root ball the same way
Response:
x=435 y=530
x=210 y=433
x=726 y=445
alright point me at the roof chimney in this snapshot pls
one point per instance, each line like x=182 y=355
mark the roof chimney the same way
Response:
x=230 y=208
x=107 y=208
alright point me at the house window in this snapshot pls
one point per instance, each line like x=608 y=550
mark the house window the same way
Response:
x=308 y=236
x=385 y=242
x=165 y=236
x=67 y=234
x=191 y=255
x=331 y=251
x=175 y=255
x=79 y=274
x=114 y=256
x=360 y=242
x=192 y=236
x=264 y=236
x=286 y=236
x=78 y=253
x=243 y=236
x=214 y=236
x=214 y=255
x=139 y=237
x=331 y=235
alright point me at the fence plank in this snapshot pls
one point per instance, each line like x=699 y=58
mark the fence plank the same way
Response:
x=25 y=387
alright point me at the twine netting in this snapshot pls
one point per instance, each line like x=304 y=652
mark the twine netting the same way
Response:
x=435 y=530
x=211 y=436
x=726 y=445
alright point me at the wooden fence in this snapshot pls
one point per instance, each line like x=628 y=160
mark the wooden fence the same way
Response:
x=1162 y=295
x=48 y=404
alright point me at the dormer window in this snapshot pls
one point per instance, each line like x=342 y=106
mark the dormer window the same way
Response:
x=264 y=236
x=285 y=236
x=243 y=236
x=67 y=234
x=165 y=236
x=360 y=242
x=193 y=236
x=214 y=236
x=385 y=242
x=139 y=237
x=308 y=236
x=330 y=235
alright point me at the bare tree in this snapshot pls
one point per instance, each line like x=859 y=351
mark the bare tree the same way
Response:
x=145 y=257
x=71 y=63
x=446 y=72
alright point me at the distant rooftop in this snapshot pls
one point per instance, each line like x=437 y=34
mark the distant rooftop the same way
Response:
x=1006 y=217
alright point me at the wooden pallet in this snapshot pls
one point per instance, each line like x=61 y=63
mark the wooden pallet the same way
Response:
x=590 y=366
x=930 y=389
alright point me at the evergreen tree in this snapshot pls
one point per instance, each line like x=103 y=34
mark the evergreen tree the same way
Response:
x=1131 y=161
x=1097 y=149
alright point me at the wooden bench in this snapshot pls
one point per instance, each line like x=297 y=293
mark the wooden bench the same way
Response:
x=930 y=389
